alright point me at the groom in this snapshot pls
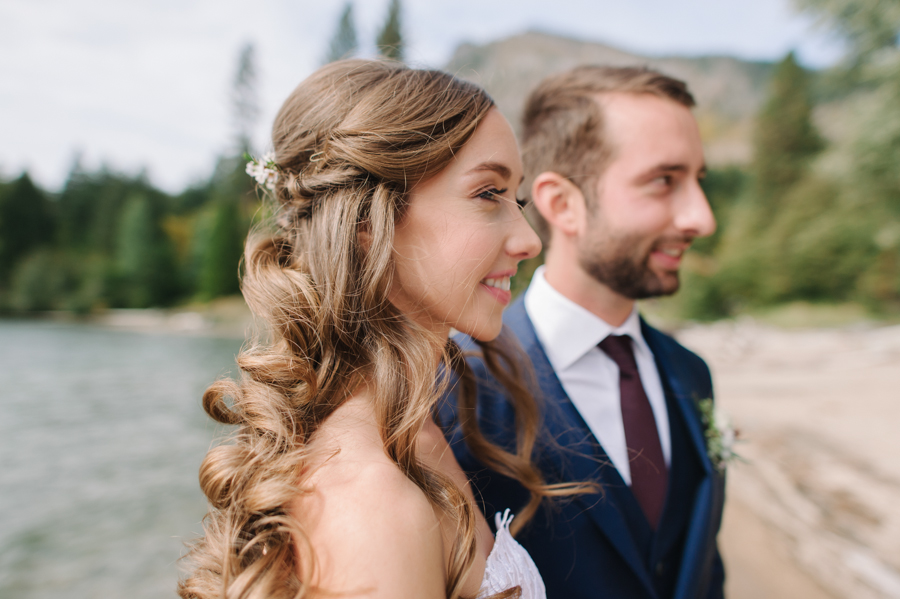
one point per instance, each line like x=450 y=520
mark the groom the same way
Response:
x=614 y=159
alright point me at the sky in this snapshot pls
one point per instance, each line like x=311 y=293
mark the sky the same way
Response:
x=144 y=85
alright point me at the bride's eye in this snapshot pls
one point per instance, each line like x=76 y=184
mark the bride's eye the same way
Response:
x=493 y=194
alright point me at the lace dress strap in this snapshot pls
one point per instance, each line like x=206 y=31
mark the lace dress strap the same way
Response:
x=509 y=565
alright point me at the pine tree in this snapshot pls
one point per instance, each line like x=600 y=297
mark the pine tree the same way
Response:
x=145 y=264
x=25 y=223
x=344 y=43
x=245 y=104
x=871 y=187
x=752 y=266
x=390 y=38
x=785 y=136
x=221 y=247
x=74 y=208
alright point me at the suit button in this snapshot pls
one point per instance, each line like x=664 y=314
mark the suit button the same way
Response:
x=660 y=568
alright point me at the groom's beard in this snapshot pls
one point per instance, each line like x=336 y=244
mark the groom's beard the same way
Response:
x=623 y=265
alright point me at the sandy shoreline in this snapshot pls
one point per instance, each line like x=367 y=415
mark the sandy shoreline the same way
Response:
x=818 y=411
x=225 y=317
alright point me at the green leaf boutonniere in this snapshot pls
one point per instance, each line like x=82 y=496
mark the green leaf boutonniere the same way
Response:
x=719 y=433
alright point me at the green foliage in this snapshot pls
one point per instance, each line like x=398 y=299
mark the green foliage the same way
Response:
x=702 y=298
x=95 y=276
x=785 y=234
x=191 y=199
x=41 y=282
x=390 y=38
x=524 y=272
x=221 y=252
x=723 y=187
x=826 y=258
x=816 y=249
x=219 y=229
x=876 y=151
x=343 y=43
x=144 y=262
x=785 y=138
x=26 y=223
x=794 y=233
x=90 y=208
x=52 y=279
x=75 y=207
x=872 y=31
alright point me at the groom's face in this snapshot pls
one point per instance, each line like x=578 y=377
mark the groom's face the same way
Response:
x=647 y=205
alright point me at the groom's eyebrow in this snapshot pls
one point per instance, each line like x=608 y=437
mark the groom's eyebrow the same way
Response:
x=500 y=169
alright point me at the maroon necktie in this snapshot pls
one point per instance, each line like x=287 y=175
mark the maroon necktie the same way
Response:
x=649 y=476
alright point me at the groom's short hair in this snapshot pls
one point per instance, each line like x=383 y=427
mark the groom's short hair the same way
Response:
x=562 y=123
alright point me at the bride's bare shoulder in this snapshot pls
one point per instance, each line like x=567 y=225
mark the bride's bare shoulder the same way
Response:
x=372 y=531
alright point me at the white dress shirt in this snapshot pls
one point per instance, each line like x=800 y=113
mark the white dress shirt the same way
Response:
x=570 y=334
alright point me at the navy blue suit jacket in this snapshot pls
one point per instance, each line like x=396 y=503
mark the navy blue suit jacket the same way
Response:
x=600 y=545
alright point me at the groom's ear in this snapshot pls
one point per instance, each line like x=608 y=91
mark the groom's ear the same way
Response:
x=560 y=202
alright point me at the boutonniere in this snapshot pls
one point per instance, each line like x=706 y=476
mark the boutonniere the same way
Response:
x=719 y=433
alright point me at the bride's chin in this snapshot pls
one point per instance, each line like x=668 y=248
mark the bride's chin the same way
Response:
x=484 y=333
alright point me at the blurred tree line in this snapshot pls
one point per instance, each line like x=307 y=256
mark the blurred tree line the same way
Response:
x=808 y=220
x=114 y=241
x=109 y=240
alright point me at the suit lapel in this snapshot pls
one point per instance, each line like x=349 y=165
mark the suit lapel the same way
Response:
x=675 y=388
x=694 y=568
x=579 y=457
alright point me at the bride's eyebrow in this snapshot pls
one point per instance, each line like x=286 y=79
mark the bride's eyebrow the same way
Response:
x=500 y=169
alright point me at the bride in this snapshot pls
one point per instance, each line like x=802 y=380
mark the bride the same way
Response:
x=396 y=220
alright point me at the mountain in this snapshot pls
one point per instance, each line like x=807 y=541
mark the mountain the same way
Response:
x=729 y=91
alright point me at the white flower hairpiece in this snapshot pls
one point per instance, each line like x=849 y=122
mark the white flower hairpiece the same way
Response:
x=720 y=435
x=264 y=170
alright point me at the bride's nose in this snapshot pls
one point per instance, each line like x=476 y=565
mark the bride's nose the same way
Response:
x=523 y=243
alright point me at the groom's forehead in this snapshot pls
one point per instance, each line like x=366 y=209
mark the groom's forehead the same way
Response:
x=648 y=133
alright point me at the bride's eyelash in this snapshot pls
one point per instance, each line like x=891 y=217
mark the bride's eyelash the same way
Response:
x=492 y=193
x=497 y=194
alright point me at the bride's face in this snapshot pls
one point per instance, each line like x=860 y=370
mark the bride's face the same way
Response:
x=462 y=237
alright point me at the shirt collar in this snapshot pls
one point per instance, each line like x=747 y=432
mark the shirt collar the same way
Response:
x=568 y=331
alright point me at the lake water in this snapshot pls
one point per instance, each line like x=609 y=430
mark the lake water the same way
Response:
x=101 y=437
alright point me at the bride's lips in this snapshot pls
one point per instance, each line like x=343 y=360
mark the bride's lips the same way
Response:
x=497 y=284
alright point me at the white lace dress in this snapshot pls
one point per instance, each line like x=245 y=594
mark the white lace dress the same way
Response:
x=509 y=565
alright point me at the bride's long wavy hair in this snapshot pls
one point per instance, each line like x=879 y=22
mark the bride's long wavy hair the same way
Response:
x=350 y=143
